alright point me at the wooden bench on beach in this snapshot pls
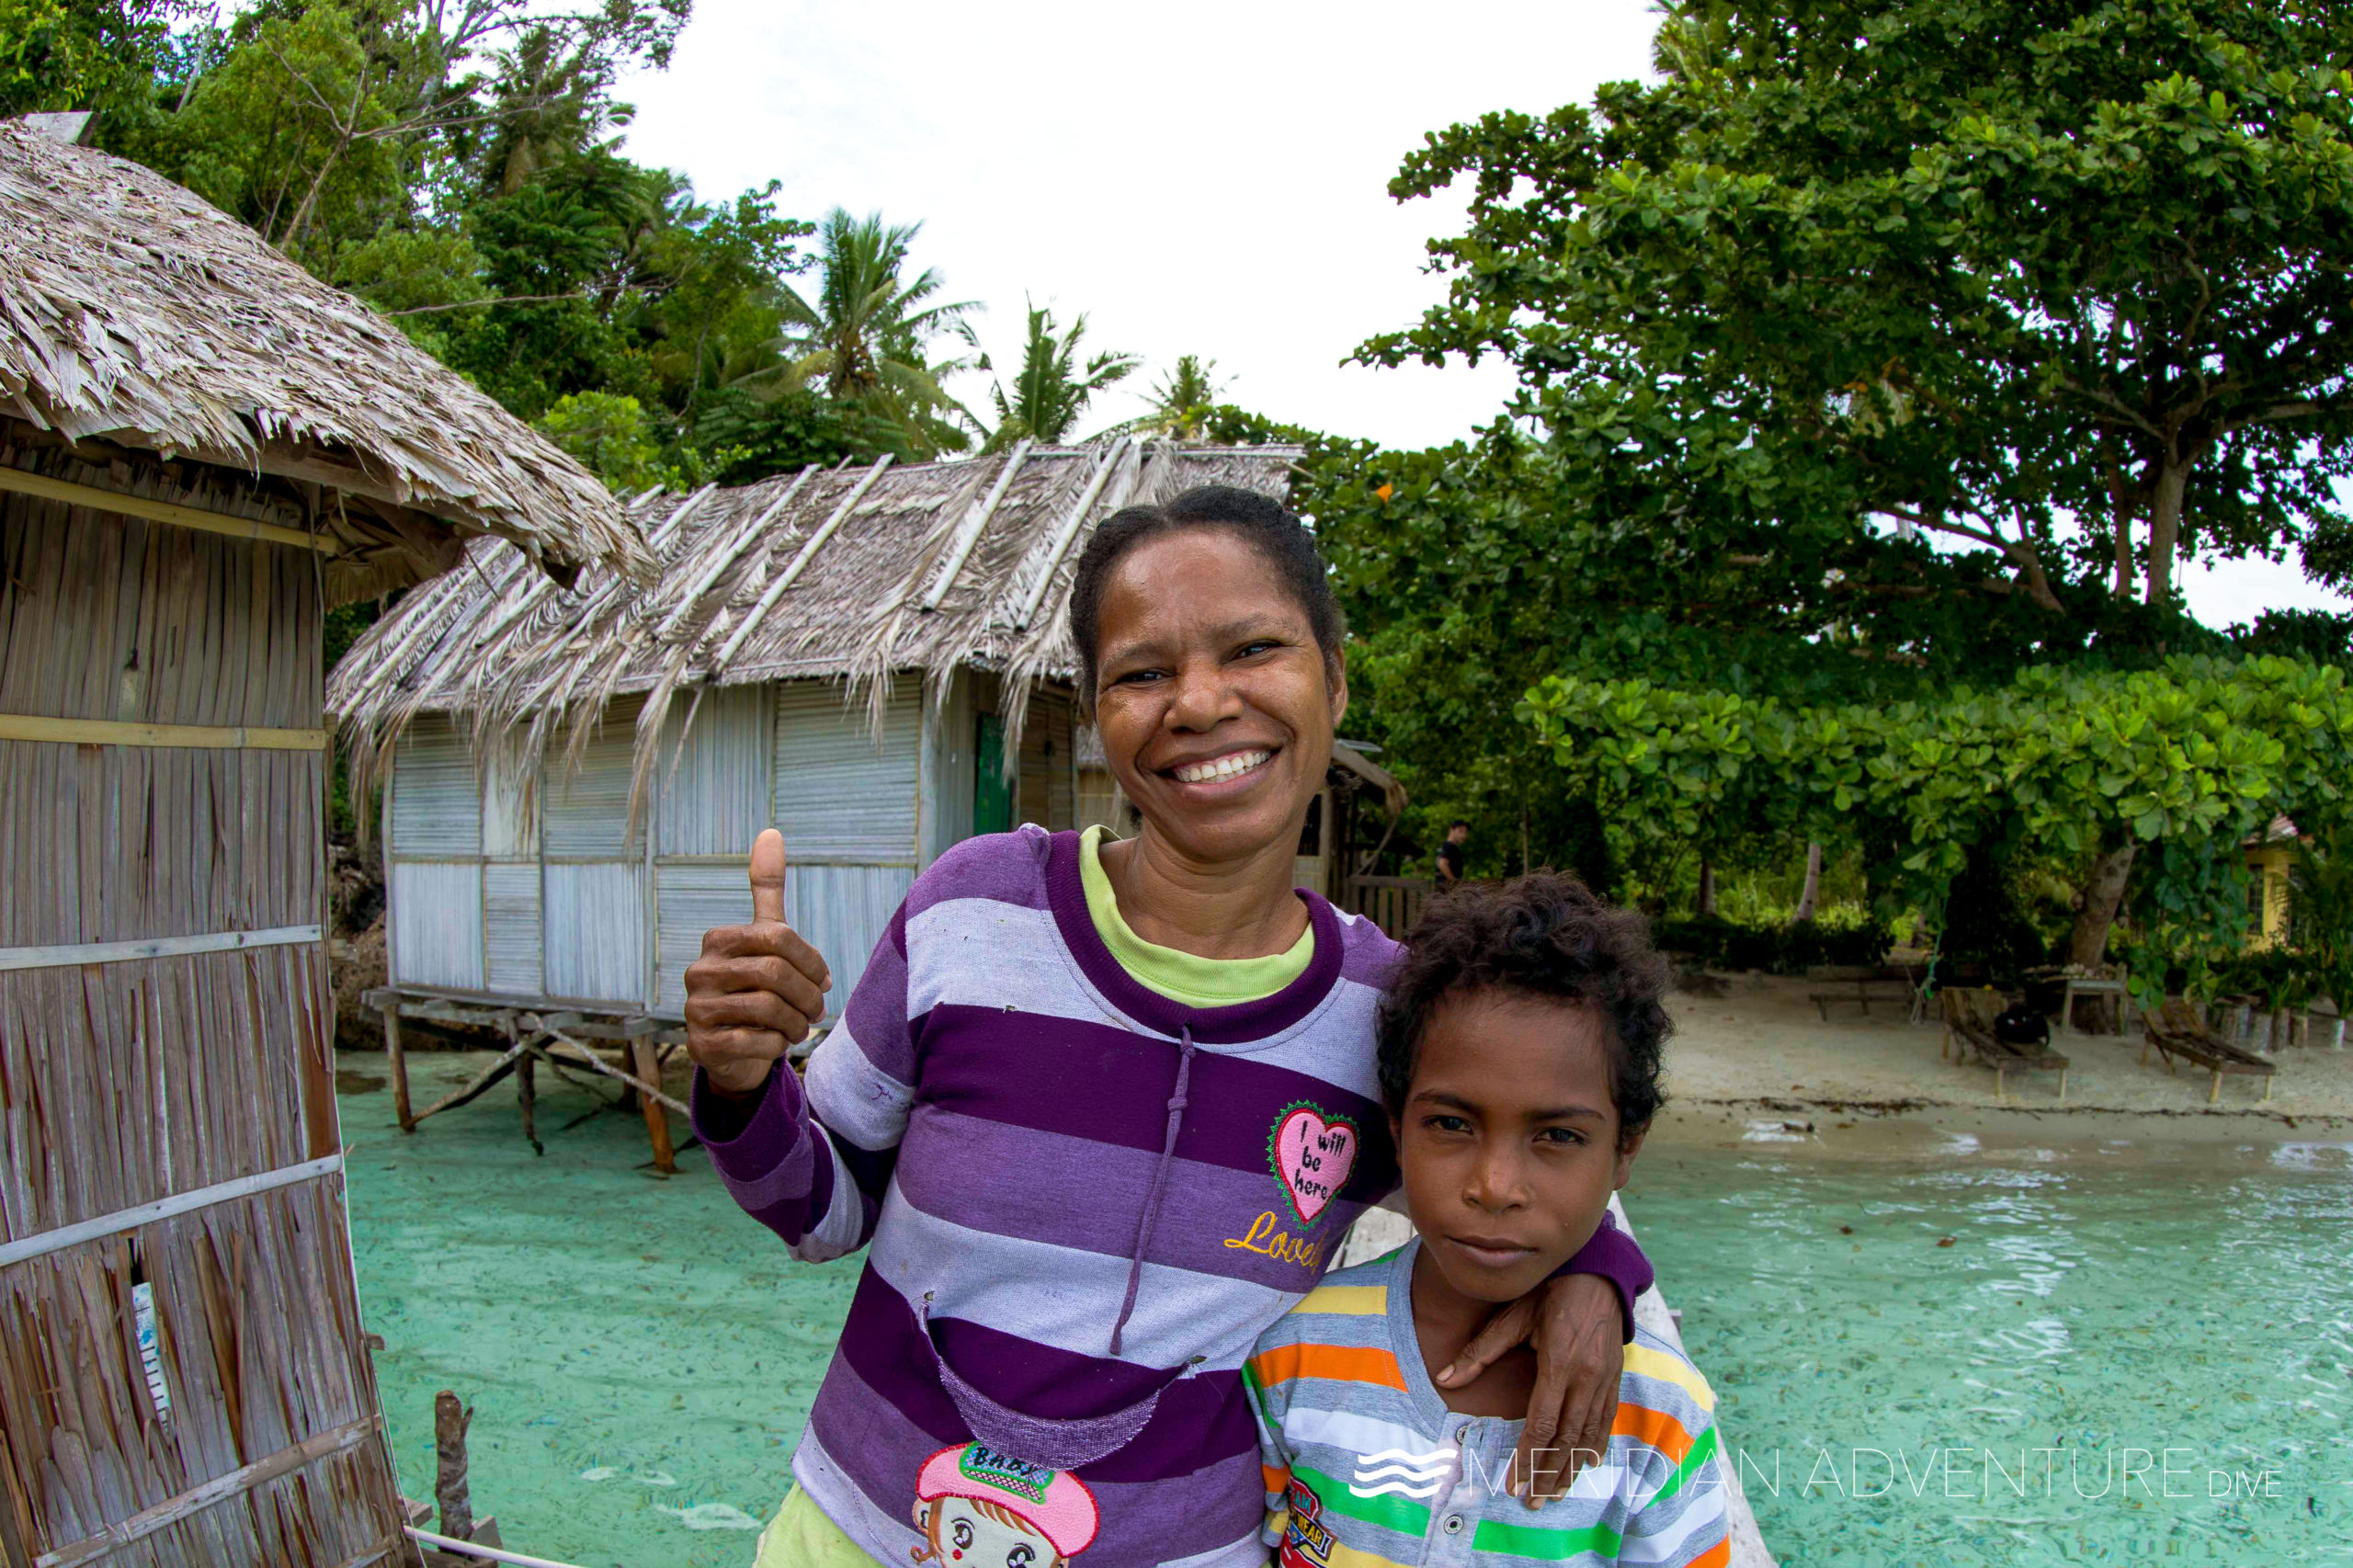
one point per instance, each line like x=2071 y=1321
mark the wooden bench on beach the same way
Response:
x=1864 y=987
x=1969 y=1014
x=2177 y=1030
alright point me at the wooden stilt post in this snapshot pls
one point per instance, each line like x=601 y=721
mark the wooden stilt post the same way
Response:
x=449 y=1490
x=527 y=1090
x=658 y=1119
x=398 y=1062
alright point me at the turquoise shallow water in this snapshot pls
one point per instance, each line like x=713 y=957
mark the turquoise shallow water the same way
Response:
x=641 y=1356
x=2124 y=1356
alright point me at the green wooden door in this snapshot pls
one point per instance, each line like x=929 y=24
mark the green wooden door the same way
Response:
x=992 y=794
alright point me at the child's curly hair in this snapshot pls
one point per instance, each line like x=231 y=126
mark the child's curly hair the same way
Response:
x=1541 y=934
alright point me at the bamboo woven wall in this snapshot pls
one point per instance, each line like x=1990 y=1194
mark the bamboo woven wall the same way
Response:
x=127 y=1082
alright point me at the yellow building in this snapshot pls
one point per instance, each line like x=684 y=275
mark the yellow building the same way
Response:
x=2269 y=855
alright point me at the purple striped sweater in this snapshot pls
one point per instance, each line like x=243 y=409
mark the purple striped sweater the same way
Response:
x=1084 y=1203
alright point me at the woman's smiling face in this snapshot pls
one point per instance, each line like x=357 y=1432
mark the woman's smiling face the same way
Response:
x=1215 y=705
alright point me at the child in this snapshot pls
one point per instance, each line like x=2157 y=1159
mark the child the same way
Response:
x=1519 y=1061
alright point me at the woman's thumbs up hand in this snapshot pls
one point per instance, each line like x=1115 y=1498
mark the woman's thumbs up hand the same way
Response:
x=758 y=989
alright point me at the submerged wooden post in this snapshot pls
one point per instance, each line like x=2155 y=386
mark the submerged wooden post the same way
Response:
x=450 y=1493
x=398 y=1062
x=657 y=1121
x=527 y=1090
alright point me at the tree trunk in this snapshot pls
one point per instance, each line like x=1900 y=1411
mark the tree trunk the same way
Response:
x=1813 y=889
x=2103 y=896
x=1707 y=909
x=2164 y=529
x=2120 y=495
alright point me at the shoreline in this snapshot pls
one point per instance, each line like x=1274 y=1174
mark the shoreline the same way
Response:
x=1761 y=1047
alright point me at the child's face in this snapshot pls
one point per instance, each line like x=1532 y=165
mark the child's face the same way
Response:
x=1509 y=1139
x=968 y=1538
x=1207 y=664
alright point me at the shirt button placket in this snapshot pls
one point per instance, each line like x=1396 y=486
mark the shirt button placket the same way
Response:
x=1456 y=1525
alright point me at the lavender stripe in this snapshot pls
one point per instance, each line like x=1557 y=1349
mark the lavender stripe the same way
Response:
x=1066 y=895
x=1003 y=867
x=862 y=1103
x=1073 y=1192
x=1109 y=1086
x=1061 y=1296
x=1199 y=1419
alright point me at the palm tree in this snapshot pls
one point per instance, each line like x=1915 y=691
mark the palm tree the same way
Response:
x=866 y=338
x=1053 y=389
x=1181 y=403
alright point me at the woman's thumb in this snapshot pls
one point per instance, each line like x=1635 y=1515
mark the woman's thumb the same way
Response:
x=768 y=878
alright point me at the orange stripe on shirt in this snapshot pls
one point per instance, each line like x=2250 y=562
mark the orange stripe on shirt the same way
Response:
x=1277 y=1481
x=1656 y=1427
x=1716 y=1556
x=1339 y=1363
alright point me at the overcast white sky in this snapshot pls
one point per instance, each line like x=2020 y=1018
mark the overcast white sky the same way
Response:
x=1207 y=179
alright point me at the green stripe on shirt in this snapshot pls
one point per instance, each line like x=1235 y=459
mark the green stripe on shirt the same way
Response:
x=1388 y=1510
x=1701 y=1452
x=1543 y=1545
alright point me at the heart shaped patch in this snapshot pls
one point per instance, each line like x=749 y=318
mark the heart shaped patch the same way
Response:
x=1311 y=1153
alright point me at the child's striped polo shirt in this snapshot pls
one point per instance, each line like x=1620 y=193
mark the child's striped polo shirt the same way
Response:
x=1366 y=1467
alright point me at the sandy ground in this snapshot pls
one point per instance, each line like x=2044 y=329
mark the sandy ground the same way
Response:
x=1764 y=1045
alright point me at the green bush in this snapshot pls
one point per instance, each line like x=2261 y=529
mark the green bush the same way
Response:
x=1780 y=949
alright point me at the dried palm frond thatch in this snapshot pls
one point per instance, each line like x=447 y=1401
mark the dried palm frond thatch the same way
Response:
x=863 y=575
x=133 y=312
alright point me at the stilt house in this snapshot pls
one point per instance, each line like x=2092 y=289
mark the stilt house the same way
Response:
x=873 y=659
x=201 y=450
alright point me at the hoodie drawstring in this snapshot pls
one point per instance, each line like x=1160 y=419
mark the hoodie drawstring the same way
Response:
x=1159 y=1186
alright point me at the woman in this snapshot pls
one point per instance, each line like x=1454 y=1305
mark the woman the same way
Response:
x=1103 y=1110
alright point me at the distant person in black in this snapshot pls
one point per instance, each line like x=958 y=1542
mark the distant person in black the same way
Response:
x=1450 y=854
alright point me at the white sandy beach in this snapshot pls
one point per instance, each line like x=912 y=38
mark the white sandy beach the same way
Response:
x=1763 y=1044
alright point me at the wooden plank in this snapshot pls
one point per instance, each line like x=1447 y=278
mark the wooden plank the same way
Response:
x=75 y=955
x=483 y=1080
x=397 y=1060
x=170 y=512
x=588 y=1058
x=658 y=1119
x=192 y=737
x=131 y=1218
x=171 y=1511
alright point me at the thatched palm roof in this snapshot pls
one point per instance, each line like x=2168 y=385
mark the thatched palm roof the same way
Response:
x=132 y=310
x=863 y=574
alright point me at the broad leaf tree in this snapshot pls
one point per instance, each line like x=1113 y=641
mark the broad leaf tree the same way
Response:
x=2058 y=289
x=2065 y=283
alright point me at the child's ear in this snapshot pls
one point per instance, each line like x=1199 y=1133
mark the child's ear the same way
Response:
x=1396 y=1131
x=1629 y=1145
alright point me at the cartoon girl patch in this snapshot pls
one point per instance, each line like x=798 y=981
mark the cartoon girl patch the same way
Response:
x=979 y=1509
